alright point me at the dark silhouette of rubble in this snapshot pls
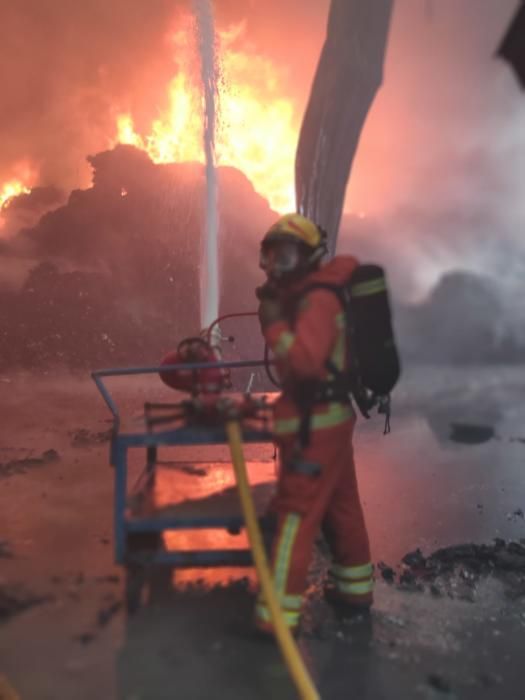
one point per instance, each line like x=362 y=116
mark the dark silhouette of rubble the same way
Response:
x=117 y=282
x=14 y=599
x=25 y=210
x=457 y=570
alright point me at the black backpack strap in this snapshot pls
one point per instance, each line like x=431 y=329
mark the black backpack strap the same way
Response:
x=305 y=426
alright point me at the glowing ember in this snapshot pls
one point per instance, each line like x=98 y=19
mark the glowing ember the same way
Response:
x=257 y=130
x=11 y=189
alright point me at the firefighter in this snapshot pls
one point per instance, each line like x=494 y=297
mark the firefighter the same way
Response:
x=313 y=422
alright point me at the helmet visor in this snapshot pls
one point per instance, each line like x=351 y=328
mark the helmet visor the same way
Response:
x=279 y=258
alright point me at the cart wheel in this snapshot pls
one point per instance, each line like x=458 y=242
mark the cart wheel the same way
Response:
x=136 y=579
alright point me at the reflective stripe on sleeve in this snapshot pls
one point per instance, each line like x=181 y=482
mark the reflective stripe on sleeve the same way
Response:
x=339 y=352
x=284 y=342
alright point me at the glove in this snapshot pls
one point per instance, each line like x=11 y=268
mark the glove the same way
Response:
x=270 y=311
x=266 y=291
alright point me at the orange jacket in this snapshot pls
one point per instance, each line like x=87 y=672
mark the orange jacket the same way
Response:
x=303 y=347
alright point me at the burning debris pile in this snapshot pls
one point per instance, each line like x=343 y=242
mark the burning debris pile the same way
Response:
x=113 y=273
x=24 y=210
x=456 y=571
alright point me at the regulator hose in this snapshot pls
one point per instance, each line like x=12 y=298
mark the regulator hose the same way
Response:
x=291 y=655
x=268 y=367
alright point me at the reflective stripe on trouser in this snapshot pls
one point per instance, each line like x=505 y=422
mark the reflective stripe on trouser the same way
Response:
x=291 y=604
x=262 y=613
x=304 y=502
x=354 y=581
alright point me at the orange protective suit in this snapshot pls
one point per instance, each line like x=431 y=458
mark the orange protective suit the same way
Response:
x=317 y=485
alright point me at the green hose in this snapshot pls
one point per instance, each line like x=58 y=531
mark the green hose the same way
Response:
x=292 y=657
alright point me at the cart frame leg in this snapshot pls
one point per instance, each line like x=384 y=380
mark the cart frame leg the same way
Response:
x=121 y=481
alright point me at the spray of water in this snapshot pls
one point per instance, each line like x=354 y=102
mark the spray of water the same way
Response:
x=209 y=270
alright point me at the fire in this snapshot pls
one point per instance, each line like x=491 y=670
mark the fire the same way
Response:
x=12 y=189
x=258 y=124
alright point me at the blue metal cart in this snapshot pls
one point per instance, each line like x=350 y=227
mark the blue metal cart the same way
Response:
x=138 y=526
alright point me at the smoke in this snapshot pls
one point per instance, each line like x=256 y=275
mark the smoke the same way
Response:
x=442 y=159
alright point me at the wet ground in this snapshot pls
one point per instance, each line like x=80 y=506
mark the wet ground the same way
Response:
x=451 y=472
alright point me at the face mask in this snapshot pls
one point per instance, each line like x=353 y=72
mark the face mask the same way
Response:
x=279 y=259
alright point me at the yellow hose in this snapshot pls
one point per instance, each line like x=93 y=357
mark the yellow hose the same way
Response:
x=292 y=657
x=7 y=692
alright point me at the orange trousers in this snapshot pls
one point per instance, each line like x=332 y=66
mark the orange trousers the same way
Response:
x=318 y=491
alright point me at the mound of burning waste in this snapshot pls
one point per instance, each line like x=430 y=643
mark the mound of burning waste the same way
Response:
x=111 y=277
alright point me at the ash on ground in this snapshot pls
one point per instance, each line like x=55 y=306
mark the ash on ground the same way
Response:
x=21 y=466
x=14 y=599
x=457 y=570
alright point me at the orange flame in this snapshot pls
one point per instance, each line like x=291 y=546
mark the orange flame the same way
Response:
x=12 y=189
x=258 y=125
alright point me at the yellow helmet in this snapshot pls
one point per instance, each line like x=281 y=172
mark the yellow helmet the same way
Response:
x=299 y=228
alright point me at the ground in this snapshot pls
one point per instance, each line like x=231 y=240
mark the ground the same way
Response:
x=64 y=632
